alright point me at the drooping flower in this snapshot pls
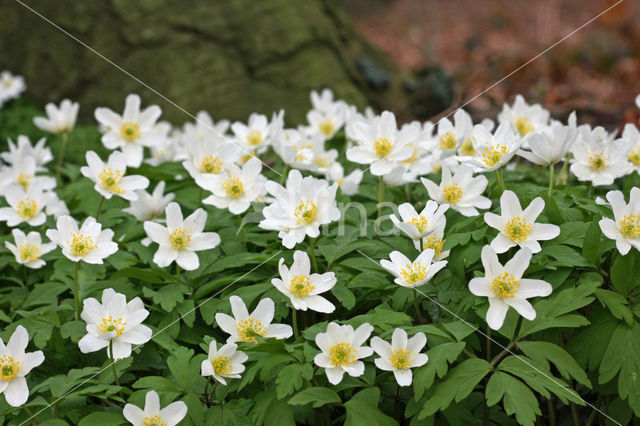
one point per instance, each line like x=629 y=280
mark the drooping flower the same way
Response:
x=302 y=287
x=181 y=238
x=494 y=150
x=412 y=274
x=131 y=131
x=300 y=208
x=504 y=286
x=342 y=349
x=11 y=86
x=550 y=144
x=245 y=327
x=149 y=206
x=222 y=363
x=15 y=364
x=110 y=178
x=598 y=158
x=23 y=148
x=234 y=188
x=401 y=355
x=114 y=324
x=518 y=227
x=29 y=249
x=624 y=229
x=153 y=415
x=524 y=117
x=415 y=225
x=59 y=120
x=460 y=190
x=90 y=243
x=25 y=206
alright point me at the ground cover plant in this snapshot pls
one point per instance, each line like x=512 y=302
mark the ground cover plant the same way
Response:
x=350 y=270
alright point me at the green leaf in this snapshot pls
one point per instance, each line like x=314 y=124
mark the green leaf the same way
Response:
x=625 y=272
x=591 y=248
x=104 y=418
x=616 y=304
x=289 y=380
x=362 y=410
x=456 y=385
x=184 y=369
x=168 y=296
x=315 y=395
x=156 y=383
x=564 y=362
x=439 y=359
x=518 y=398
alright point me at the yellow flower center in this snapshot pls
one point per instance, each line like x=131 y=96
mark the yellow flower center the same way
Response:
x=598 y=162
x=179 y=238
x=301 y=286
x=433 y=242
x=340 y=182
x=382 y=146
x=420 y=222
x=7 y=83
x=452 y=193
x=448 y=141
x=254 y=138
x=306 y=212
x=517 y=229
x=29 y=252
x=630 y=226
x=492 y=155
x=524 y=125
x=156 y=420
x=27 y=208
x=130 y=131
x=233 y=186
x=505 y=285
x=467 y=147
x=221 y=365
x=110 y=180
x=211 y=164
x=401 y=358
x=109 y=325
x=321 y=162
x=342 y=354
x=326 y=127
x=81 y=245
x=9 y=368
x=249 y=329
x=413 y=157
x=24 y=180
x=634 y=156
x=413 y=273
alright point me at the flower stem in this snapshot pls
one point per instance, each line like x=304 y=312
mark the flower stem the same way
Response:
x=284 y=174
x=215 y=386
x=500 y=180
x=551 y=172
x=380 y=196
x=76 y=288
x=242 y=234
x=312 y=249
x=99 y=207
x=200 y=198
x=416 y=304
x=63 y=146
x=113 y=362
x=294 y=319
x=29 y=413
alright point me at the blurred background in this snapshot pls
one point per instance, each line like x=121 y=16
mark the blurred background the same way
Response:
x=418 y=58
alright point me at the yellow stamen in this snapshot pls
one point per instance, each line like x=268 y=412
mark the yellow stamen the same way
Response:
x=109 y=325
x=81 y=245
x=414 y=273
x=27 y=208
x=433 y=242
x=254 y=138
x=452 y=193
x=634 y=156
x=401 y=359
x=306 y=212
x=156 y=420
x=221 y=365
x=301 y=286
x=110 y=180
x=9 y=368
x=413 y=157
x=524 y=125
x=598 y=162
x=630 y=226
x=321 y=162
x=130 y=131
x=24 y=180
x=492 y=155
x=382 y=146
x=249 y=329
x=179 y=238
x=342 y=354
x=467 y=147
x=233 y=186
x=29 y=252
x=420 y=222
x=211 y=164
x=505 y=285
x=448 y=141
x=326 y=127
x=517 y=229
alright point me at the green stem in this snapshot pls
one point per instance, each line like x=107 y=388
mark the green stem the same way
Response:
x=99 y=207
x=113 y=363
x=416 y=304
x=63 y=146
x=552 y=411
x=242 y=234
x=574 y=414
x=76 y=288
x=380 y=196
x=294 y=319
x=312 y=249
x=551 y=171
x=488 y=344
x=283 y=178
x=563 y=175
x=213 y=390
x=200 y=197
x=29 y=413
x=500 y=180
x=179 y=273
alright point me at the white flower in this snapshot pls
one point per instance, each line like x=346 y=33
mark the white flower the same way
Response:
x=56 y=207
x=223 y=363
x=342 y=348
x=204 y=126
x=435 y=241
x=180 y=239
x=323 y=101
x=493 y=150
x=449 y=136
x=348 y=184
x=504 y=286
x=518 y=227
x=234 y=188
x=114 y=324
x=625 y=228
x=461 y=191
x=550 y=144
x=28 y=249
x=25 y=206
x=302 y=287
x=11 y=86
x=328 y=122
x=253 y=136
x=110 y=178
x=631 y=140
x=149 y=206
x=300 y=208
x=131 y=131
x=15 y=364
x=638 y=101
x=380 y=144
x=598 y=158
x=401 y=355
x=415 y=225
x=58 y=120
x=152 y=415
x=41 y=154
x=245 y=327
x=524 y=117
x=23 y=172
x=412 y=274
x=90 y=243
x=209 y=156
